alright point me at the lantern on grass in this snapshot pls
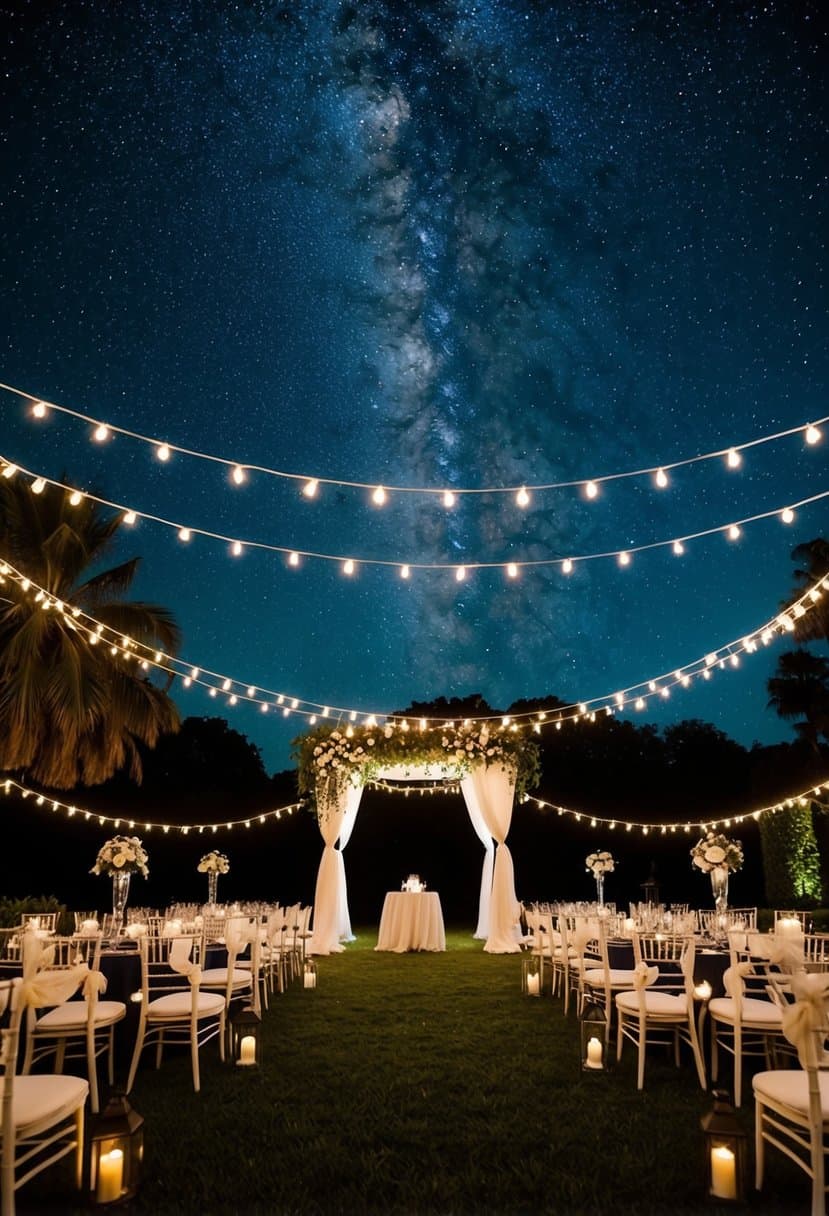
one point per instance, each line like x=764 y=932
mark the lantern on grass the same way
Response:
x=309 y=973
x=116 y=1152
x=531 y=975
x=594 y=1041
x=245 y=1038
x=725 y=1152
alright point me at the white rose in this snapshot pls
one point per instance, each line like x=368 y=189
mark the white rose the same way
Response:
x=699 y=861
x=715 y=855
x=119 y=860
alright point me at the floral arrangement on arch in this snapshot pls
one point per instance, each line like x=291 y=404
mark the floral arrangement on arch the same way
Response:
x=213 y=863
x=715 y=849
x=600 y=863
x=332 y=754
x=121 y=855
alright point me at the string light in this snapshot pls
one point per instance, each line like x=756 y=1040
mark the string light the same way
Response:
x=101 y=433
x=185 y=533
x=522 y=497
x=732 y=455
x=213 y=682
x=804 y=797
x=238 y=475
x=9 y=786
x=379 y=496
x=661 y=478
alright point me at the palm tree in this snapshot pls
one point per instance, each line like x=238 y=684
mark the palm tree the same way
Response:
x=799 y=688
x=813 y=559
x=69 y=712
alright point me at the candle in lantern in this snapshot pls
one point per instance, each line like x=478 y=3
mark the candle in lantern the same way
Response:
x=723 y=1173
x=595 y=1052
x=110 y=1176
x=533 y=984
x=703 y=991
x=310 y=979
x=247 y=1050
x=630 y=924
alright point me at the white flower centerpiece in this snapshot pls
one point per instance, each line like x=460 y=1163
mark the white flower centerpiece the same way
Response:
x=718 y=855
x=213 y=864
x=120 y=858
x=598 y=864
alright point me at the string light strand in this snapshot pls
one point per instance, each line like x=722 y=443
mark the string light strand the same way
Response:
x=348 y=565
x=239 y=470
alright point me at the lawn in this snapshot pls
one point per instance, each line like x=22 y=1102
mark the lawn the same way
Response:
x=423 y=1084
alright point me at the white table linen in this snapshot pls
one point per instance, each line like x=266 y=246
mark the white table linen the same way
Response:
x=411 y=920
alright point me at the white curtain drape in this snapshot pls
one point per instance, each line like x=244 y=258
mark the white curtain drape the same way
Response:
x=331 y=919
x=353 y=795
x=492 y=790
x=485 y=837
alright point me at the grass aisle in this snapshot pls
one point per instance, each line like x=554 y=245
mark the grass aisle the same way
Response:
x=425 y=1084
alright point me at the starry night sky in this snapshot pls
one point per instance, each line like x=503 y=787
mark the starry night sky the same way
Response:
x=439 y=244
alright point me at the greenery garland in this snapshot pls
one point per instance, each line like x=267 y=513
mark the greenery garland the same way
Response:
x=333 y=755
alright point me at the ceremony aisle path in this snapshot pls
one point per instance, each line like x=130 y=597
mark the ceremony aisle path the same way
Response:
x=423 y=1083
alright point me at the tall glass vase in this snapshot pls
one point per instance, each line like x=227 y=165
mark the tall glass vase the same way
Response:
x=599 y=890
x=719 y=888
x=120 y=893
x=212 y=884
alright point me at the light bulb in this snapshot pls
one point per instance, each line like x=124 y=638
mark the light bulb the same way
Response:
x=733 y=532
x=379 y=496
x=39 y=409
x=813 y=435
x=226 y=686
x=9 y=471
x=733 y=459
x=238 y=475
x=101 y=433
x=460 y=573
x=129 y=518
x=404 y=571
x=787 y=515
x=522 y=497
x=233 y=700
x=661 y=478
x=163 y=452
x=348 y=567
x=236 y=548
x=74 y=498
x=293 y=559
x=678 y=548
x=640 y=703
x=184 y=534
x=39 y=485
x=310 y=488
x=567 y=566
x=624 y=559
x=591 y=489
x=448 y=498
x=512 y=570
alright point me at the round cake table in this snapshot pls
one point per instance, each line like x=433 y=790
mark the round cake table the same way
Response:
x=411 y=920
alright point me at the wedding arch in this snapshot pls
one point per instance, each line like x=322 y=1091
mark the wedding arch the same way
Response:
x=492 y=765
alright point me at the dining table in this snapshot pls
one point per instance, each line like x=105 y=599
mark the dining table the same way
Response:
x=411 y=920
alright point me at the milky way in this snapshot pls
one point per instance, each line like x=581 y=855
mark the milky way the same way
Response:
x=445 y=245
